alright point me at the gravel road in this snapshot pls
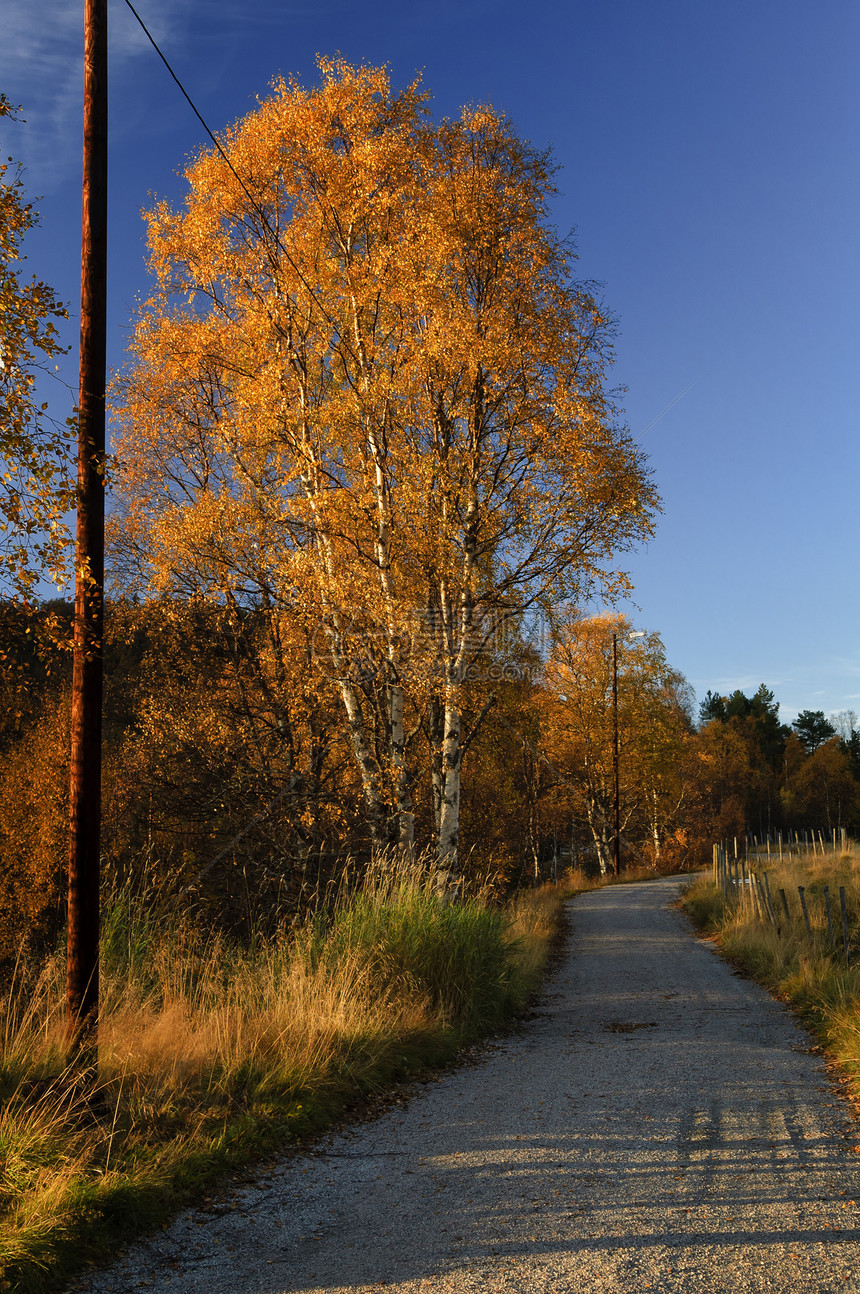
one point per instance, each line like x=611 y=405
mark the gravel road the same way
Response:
x=661 y=1124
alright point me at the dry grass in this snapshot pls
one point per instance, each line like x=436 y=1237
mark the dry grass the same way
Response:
x=211 y=1053
x=809 y=969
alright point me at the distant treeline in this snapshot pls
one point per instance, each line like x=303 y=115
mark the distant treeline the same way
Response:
x=229 y=782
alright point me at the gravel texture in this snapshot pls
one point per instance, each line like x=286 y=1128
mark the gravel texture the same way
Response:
x=660 y=1124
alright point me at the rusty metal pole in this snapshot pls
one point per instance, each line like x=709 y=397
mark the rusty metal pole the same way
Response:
x=82 y=963
x=616 y=844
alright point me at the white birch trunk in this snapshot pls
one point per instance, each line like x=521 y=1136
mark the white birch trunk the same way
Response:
x=597 y=827
x=370 y=773
x=449 y=815
x=404 y=827
x=368 y=767
x=655 y=828
x=436 y=733
x=455 y=627
x=405 y=834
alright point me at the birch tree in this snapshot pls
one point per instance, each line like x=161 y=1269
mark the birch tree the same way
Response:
x=368 y=386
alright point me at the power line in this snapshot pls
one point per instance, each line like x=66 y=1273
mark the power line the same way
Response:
x=259 y=210
x=148 y=34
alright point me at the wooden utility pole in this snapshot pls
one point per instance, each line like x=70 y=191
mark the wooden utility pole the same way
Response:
x=82 y=966
x=616 y=846
x=616 y=842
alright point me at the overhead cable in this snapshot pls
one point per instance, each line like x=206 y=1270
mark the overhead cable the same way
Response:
x=257 y=208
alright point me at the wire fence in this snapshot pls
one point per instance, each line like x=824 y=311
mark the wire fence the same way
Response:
x=746 y=885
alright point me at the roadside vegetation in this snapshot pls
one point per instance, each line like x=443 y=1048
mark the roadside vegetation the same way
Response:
x=214 y=1052
x=808 y=967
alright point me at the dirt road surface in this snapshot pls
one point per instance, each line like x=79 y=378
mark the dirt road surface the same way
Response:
x=660 y=1124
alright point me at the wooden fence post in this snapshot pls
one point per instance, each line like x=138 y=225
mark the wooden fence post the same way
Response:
x=829 y=918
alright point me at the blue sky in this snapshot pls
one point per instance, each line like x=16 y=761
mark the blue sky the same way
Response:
x=709 y=166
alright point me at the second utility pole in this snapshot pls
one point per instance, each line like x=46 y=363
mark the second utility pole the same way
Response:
x=616 y=843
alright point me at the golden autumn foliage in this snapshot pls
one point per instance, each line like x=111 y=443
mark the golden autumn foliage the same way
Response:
x=824 y=788
x=34 y=830
x=35 y=483
x=368 y=393
x=656 y=786
x=230 y=788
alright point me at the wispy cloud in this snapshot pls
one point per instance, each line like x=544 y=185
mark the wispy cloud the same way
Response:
x=41 y=61
x=848 y=665
x=41 y=68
